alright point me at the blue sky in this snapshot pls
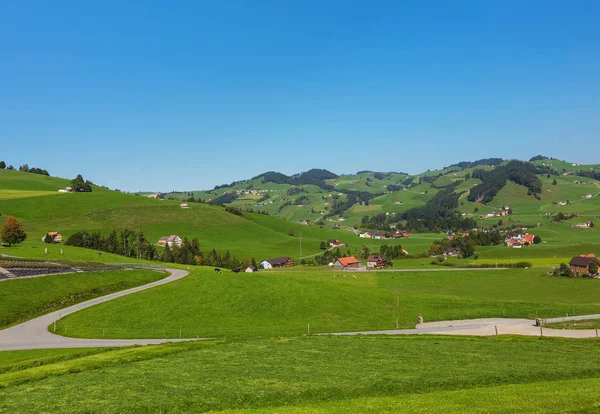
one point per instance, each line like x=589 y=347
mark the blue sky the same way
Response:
x=154 y=95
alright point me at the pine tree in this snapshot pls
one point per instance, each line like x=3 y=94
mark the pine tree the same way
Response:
x=12 y=231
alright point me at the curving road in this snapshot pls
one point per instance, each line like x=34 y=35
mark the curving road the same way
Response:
x=488 y=327
x=34 y=334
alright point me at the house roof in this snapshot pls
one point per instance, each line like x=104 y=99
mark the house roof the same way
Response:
x=374 y=258
x=345 y=261
x=278 y=260
x=172 y=237
x=528 y=238
x=164 y=238
x=583 y=261
x=53 y=233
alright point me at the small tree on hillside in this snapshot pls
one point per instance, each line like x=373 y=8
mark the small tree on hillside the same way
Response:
x=323 y=245
x=48 y=238
x=537 y=240
x=2 y=165
x=554 y=182
x=12 y=231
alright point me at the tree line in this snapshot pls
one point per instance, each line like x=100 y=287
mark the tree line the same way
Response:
x=493 y=181
x=133 y=243
x=24 y=168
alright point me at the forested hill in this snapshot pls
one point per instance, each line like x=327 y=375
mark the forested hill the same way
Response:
x=493 y=181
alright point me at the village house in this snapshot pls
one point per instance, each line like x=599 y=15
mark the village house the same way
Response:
x=183 y=205
x=277 y=262
x=56 y=236
x=305 y=222
x=585 y=197
x=582 y=225
x=581 y=264
x=350 y=262
x=334 y=243
x=452 y=252
x=374 y=261
x=251 y=269
x=170 y=240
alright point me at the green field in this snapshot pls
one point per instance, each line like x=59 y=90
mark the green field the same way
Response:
x=340 y=374
x=24 y=299
x=584 y=324
x=286 y=302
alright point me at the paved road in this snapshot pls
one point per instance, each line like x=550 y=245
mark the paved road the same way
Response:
x=487 y=327
x=34 y=334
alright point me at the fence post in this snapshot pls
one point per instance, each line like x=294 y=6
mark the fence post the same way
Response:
x=496 y=327
x=309 y=328
x=596 y=333
x=541 y=331
x=180 y=332
x=54 y=326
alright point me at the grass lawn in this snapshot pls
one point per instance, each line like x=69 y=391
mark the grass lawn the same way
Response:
x=24 y=299
x=585 y=324
x=327 y=373
x=274 y=303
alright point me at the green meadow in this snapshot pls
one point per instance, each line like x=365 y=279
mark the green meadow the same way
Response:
x=272 y=303
x=305 y=374
x=24 y=299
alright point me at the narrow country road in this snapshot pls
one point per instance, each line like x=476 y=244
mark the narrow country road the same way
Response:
x=487 y=327
x=34 y=334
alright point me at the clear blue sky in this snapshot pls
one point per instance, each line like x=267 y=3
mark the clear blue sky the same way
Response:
x=181 y=95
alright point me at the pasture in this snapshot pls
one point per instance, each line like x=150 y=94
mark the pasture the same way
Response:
x=321 y=374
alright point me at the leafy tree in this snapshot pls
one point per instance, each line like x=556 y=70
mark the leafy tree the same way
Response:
x=323 y=245
x=591 y=224
x=565 y=270
x=593 y=268
x=79 y=185
x=10 y=167
x=48 y=238
x=12 y=231
x=24 y=168
x=537 y=239
x=554 y=182
x=2 y=165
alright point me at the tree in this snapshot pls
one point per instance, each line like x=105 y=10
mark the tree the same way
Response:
x=323 y=245
x=10 y=167
x=554 y=182
x=593 y=268
x=591 y=224
x=24 y=168
x=565 y=270
x=537 y=239
x=12 y=231
x=2 y=165
x=48 y=238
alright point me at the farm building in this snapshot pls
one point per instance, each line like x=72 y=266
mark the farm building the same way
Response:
x=184 y=205
x=581 y=264
x=283 y=261
x=170 y=240
x=372 y=234
x=519 y=240
x=375 y=261
x=453 y=252
x=56 y=236
x=251 y=269
x=334 y=243
x=350 y=262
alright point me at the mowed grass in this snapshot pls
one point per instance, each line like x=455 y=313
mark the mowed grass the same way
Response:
x=341 y=374
x=24 y=299
x=583 y=324
x=271 y=303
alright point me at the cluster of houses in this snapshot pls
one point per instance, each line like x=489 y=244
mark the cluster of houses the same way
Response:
x=377 y=234
x=519 y=240
x=581 y=264
x=504 y=211
x=587 y=196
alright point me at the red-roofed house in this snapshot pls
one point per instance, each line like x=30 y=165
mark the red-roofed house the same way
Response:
x=347 y=263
